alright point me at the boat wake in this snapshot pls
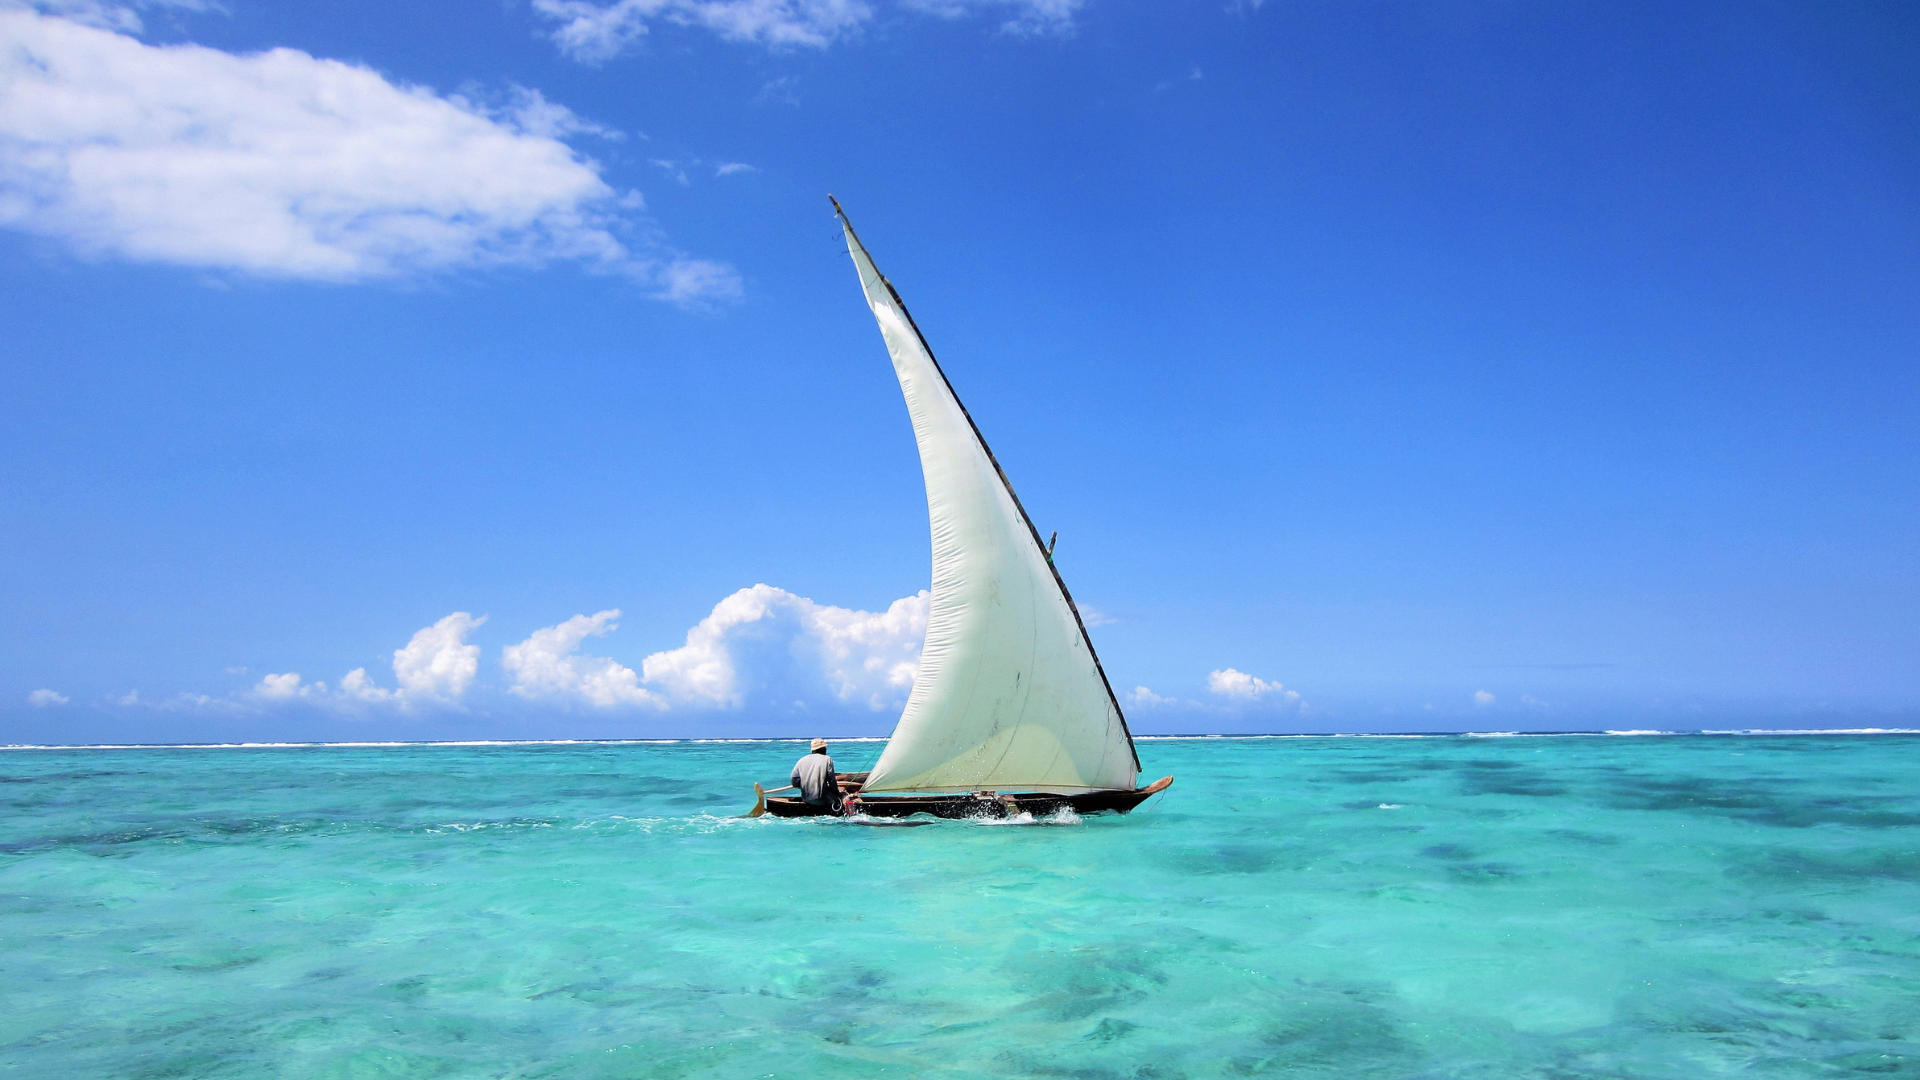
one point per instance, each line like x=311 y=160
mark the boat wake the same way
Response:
x=1062 y=816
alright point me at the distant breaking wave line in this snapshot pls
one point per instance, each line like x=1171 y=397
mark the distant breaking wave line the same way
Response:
x=879 y=738
x=424 y=742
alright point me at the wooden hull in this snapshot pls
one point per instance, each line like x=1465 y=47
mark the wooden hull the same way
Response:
x=985 y=805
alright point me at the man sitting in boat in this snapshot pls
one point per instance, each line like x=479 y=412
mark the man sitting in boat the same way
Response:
x=813 y=775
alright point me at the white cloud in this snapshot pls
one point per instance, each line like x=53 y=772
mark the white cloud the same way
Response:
x=1240 y=686
x=1025 y=18
x=697 y=281
x=285 y=687
x=356 y=685
x=778 y=91
x=438 y=664
x=765 y=644
x=595 y=31
x=729 y=168
x=284 y=165
x=533 y=114
x=86 y=12
x=107 y=16
x=1141 y=696
x=760 y=646
x=1093 y=617
x=546 y=666
x=1527 y=699
x=1481 y=697
x=672 y=169
x=46 y=698
x=1237 y=689
x=436 y=668
x=241 y=704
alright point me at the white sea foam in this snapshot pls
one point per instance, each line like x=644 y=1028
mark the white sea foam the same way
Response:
x=672 y=824
x=1062 y=816
x=1531 y=734
x=479 y=826
x=1816 y=731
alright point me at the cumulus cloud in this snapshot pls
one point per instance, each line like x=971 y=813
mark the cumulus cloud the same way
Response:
x=42 y=699
x=286 y=687
x=766 y=644
x=438 y=664
x=434 y=669
x=285 y=165
x=357 y=685
x=762 y=646
x=1481 y=697
x=1240 y=686
x=595 y=31
x=1141 y=696
x=546 y=665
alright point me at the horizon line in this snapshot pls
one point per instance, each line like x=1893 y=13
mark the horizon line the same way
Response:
x=395 y=744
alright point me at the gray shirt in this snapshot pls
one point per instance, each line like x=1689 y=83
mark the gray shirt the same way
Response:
x=813 y=775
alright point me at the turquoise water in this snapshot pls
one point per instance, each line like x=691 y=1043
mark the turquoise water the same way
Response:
x=1678 y=907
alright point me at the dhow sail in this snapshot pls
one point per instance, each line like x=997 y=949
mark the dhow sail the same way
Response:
x=1009 y=696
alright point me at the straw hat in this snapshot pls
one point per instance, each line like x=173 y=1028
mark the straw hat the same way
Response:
x=819 y=744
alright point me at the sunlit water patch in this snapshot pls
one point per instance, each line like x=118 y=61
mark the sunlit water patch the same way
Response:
x=1677 y=907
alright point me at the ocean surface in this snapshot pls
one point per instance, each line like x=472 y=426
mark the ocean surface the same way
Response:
x=1543 y=907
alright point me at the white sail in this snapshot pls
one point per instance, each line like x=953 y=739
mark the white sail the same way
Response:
x=1010 y=696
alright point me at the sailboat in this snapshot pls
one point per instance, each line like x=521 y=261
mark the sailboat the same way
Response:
x=1011 y=712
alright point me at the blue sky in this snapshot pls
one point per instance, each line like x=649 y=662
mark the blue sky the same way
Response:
x=1383 y=366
